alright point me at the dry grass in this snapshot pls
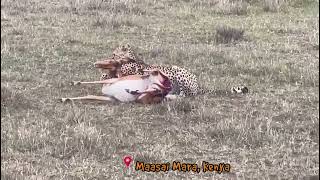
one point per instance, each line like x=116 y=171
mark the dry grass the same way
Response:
x=226 y=34
x=274 y=5
x=273 y=132
x=228 y=7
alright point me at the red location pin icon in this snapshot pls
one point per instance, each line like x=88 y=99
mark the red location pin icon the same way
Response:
x=127 y=160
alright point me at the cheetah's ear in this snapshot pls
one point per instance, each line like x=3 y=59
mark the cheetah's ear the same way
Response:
x=123 y=48
x=163 y=74
x=127 y=46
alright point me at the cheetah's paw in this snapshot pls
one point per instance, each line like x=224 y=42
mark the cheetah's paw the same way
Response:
x=239 y=90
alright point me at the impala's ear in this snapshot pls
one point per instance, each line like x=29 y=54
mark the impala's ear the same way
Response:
x=125 y=60
x=155 y=72
x=163 y=74
x=145 y=76
x=106 y=64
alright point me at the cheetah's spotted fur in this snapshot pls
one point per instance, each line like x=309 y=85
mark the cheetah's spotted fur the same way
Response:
x=184 y=82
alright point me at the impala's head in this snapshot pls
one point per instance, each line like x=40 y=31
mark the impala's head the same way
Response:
x=121 y=55
x=109 y=63
x=114 y=67
x=159 y=80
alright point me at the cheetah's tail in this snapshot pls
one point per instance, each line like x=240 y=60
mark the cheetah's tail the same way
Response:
x=233 y=90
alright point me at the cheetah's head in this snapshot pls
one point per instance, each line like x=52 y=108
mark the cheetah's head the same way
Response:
x=124 y=51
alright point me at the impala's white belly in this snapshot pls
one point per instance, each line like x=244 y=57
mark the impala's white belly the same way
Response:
x=118 y=91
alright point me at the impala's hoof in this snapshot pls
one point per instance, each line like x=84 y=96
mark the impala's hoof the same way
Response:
x=75 y=83
x=65 y=100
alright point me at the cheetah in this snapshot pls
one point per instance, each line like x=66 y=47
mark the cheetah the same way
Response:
x=124 y=62
x=121 y=61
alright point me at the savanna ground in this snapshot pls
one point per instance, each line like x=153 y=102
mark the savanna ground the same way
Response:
x=271 y=133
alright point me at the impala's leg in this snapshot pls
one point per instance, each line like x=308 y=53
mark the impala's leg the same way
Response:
x=89 y=97
x=142 y=92
x=107 y=81
x=149 y=91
